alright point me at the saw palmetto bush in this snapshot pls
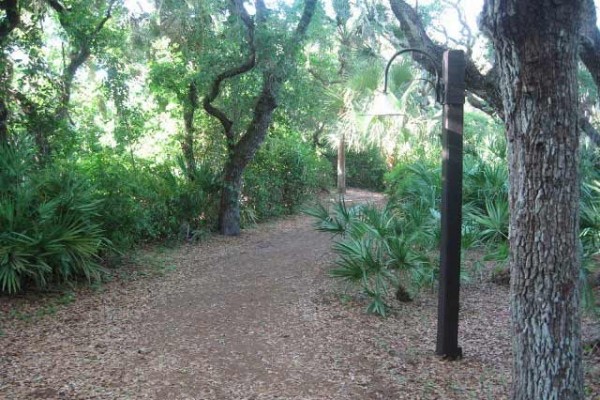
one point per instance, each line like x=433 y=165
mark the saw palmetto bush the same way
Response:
x=50 y=229
x=374 y=252
x=414 y=191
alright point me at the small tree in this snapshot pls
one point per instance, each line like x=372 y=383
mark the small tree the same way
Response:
x=272 y=62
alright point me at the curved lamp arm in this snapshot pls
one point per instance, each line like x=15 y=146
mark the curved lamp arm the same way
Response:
x=438 y=84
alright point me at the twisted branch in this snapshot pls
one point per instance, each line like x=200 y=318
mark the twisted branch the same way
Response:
x=77 y=56
x=248 y=65
x=486 y=87
x=13 y=17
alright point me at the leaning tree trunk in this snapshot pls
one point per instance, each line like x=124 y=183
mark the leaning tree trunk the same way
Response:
x=536 y=48
x=240 y=153
x=243 y=152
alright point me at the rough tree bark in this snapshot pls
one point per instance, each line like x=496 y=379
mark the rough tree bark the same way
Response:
x=242 y=151
x=533 y=87
x=536 y=44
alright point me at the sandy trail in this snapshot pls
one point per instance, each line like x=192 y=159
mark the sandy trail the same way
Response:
x=253 y=317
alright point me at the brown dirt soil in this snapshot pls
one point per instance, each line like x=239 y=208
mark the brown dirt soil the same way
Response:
x=254 y=317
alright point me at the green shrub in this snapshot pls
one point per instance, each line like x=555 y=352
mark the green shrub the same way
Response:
x=374 y=252
x=414 y=190
x=51 y=227
x=283 y=174
x=366 y=169
x=147 y=202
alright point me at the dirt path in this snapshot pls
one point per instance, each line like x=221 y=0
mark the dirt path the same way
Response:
x=253 y=317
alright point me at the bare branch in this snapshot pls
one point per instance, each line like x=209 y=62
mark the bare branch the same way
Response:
x=480 y=104
x=442 y=30
x=589 y=51
x=484 y=86
x=465 y=29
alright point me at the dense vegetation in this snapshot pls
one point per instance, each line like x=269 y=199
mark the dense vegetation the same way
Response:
x=397 y=247
x=110 y=138
x=103 y=144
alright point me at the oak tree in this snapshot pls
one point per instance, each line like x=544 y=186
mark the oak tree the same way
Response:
x=272 y=61
x=533 y=87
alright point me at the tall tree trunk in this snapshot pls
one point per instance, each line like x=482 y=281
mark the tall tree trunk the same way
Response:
x=5 y=78
x=243 y=152
x=240 y=153
x=536 y=43
x=229 y=210
x=3 y=121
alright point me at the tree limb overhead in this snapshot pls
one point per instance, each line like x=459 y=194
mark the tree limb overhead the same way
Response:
x=246 y=66
x=589 y=51
x=309 y=10
x=486 y=86
x=12 y=19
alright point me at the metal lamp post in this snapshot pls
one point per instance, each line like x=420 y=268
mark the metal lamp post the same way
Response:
x=451 y=94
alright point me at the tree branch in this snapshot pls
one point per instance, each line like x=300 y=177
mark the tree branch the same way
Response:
x=465 y=29
x=483 y=86
x=486 y=87
x=309 y=10
x=267 y=101
x=324 y=82
x=589 y=51
x=13 y=17
x=57 y=6
x=591 y=132
x=248 y=65
x=78 y=56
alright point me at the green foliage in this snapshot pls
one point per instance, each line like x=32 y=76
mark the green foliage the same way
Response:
x=365 y=169
x=283 y=174
x=143 y=201
x=51 y=231
x=373 y=251
x=414 y=188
